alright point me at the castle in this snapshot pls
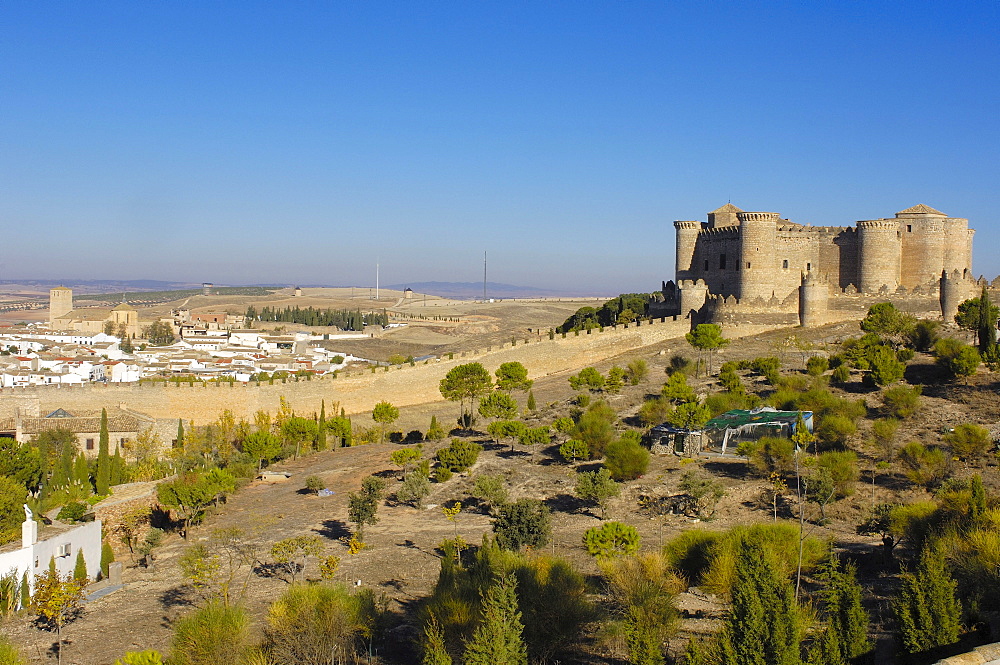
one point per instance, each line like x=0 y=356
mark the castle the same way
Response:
x=756 y=267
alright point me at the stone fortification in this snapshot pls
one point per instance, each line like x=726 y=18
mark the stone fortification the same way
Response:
x=757 y=268
x=358 y=392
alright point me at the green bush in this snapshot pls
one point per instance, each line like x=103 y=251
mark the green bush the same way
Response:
x=842 y=469
x=816 y=365
x=769 y=455
x=460 y=455
x=442 y=474
x=841 y=375
x=969 y=442
x=835 y=430
x=611 y=539
x=216 y=634
x=901 y=401
x=315 y=484
x=524 y=523
x=690 y=553
x=626 y=459
x=72 y=512
x=925 y=466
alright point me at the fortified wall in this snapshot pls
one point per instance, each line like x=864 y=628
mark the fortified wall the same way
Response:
x=759 y=269
x=359 y=391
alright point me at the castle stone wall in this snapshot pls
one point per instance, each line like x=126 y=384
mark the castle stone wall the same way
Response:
x=358 y=392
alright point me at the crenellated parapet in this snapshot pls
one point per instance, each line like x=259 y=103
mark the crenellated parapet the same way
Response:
x=745 y=217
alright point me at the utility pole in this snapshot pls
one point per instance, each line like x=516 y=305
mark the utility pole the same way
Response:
x=376 y=279
x=484 y=275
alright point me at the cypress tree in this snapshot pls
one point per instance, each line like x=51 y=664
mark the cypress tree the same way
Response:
x=987 y=329
x=103 y=460
x=847 y=618
x=927 y=611
x=435 y=652
x=25 y=591
x=321 y=434
x=497 y=640
x=977 y=503
x=531 y=400
x=117 y=472
x=107 y=557
x=81 y=472
x=763 y=623
x=180 y=434
x=52 y=565
x=80 y=568
x=63 y=473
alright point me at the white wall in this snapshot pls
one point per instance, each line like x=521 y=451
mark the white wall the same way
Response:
x=35 y=559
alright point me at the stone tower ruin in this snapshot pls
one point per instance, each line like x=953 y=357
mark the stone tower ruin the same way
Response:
x=60 y=304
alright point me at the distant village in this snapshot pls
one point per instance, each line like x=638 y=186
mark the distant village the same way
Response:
x=94 y=345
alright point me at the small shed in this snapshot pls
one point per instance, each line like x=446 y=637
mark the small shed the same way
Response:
x=666 y=439
x=749 y=425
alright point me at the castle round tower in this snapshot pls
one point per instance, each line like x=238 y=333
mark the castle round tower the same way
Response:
x=758 y=263
x=60 y=304
x=814 y=296
x=955 y=289
x=687 y=240
x=693 y=295
x=879 y=249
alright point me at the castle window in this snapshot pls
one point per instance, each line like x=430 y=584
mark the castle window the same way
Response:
x=748 y=265
x=90 y=444
x=909 y=228
x=809 y=266
x=722 y=261
x=784 y=264
x=706 y=264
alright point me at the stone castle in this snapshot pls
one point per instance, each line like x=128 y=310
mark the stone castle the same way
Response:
x=755 y=267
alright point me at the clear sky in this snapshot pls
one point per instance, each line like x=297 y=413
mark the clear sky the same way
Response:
x=296 y=142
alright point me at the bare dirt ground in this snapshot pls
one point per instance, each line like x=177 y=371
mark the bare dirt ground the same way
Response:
x=403 y=561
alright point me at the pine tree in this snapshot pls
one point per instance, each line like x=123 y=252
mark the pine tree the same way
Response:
x=107 y=558
x=321 y=434
x=763 y=624
x=497 y=640
x=531 y=401
x=435 y=651
x=80 y=568
x=927 y=611
x=103 y=460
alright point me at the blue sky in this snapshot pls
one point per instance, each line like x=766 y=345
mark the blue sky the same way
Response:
x=299 y=142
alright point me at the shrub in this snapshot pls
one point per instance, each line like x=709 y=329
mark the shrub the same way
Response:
x=834 y=431
x=597 y=487
x=885 y=367
x=414 y=489
x=626 y=460
x=315 y=484
x=768 y=367
x=72 y=512
x=574 y=450
x=654 y=411
x=884 y=430
x=816 y=365
x=842 y=374
x=721 y=402
x=310 y=622
x=524 y=523
x=924 y=335
x=563 y=425
x=492 y=490
x=842 y=468
x=216 y=634
x=958 y=359
x=901 y=401
x=969 y=442
x=460 y=455
x=769 y=455
x=925 y=466
x=442 y=474
x=611 y=539
x=595 y=428
x=690 y=553
x=704 y=489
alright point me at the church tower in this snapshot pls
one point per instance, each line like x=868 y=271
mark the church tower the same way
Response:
x=60 y=304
